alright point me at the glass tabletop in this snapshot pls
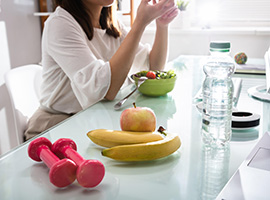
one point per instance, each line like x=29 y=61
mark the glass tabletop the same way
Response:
x=193 y=172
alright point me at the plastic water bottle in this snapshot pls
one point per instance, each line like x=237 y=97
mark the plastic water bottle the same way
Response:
x=217 y=95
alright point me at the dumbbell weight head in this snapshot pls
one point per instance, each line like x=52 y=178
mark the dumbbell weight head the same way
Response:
x=63 y=173
x=61 y=143
x=33 y=148
x=90 y=173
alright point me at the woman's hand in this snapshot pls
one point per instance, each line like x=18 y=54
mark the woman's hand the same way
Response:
x=165 y=19
x=163 y=9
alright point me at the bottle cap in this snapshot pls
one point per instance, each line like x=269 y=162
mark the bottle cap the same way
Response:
x=220 y=46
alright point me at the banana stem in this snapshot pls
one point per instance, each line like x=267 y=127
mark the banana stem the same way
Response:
x=161 y=129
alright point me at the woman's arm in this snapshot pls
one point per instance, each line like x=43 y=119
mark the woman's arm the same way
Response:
x=122 y=60
x=158 y=54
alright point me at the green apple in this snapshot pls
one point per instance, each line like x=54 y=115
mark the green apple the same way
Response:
x=139 y=119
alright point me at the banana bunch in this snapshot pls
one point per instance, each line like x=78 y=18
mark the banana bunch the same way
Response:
x=134 y=146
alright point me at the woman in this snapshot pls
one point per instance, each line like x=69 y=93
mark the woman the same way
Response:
x=87 y=55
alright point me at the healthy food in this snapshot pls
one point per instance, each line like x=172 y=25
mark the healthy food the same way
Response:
x=138 y=119
x=145 y=151
x=111 y=138
x=157 y=74
x=137 y=140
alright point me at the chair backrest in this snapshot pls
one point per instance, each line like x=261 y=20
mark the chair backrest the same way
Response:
x=23 y=84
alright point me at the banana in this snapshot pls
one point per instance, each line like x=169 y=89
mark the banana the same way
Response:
x=146 y=151
x=111 y=138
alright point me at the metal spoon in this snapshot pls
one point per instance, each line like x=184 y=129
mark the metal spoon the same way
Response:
x=121 y=102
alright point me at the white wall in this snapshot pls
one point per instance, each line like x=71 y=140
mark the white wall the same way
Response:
x=194 y=41
x=19 y=45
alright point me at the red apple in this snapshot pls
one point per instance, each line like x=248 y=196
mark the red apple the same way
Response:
x=140 y=119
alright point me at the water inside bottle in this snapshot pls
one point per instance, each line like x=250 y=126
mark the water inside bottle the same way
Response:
x=217 y=103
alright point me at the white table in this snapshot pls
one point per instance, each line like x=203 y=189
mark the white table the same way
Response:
x=190 y=173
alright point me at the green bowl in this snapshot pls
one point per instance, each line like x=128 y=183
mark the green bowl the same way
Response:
x=156 y=87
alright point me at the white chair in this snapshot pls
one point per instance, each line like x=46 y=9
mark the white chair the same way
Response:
x=23 y=85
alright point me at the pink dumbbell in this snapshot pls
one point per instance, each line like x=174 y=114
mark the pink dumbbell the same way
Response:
x=89 y=172
x=62 y=172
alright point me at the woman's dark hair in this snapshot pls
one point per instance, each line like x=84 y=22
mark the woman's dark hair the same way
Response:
x=78 y=10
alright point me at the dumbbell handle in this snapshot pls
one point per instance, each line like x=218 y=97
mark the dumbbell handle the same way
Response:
x=47 y=156
x=70 y=153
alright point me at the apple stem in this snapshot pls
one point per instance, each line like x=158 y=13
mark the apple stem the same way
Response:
x=161 y=129
x=134 y=104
